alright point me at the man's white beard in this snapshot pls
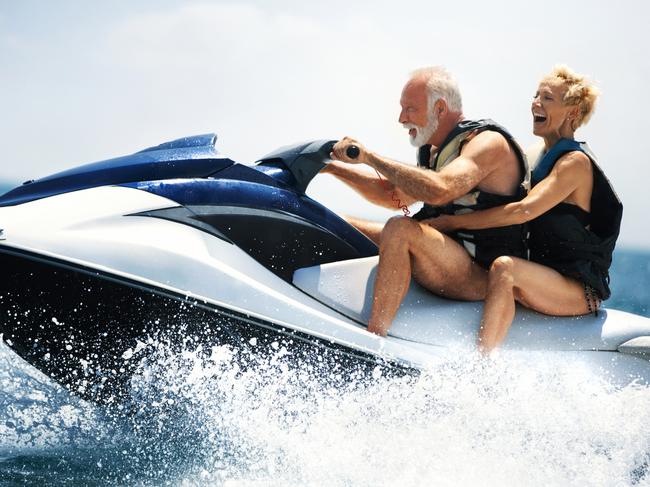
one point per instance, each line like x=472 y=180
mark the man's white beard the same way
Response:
x=423 y=134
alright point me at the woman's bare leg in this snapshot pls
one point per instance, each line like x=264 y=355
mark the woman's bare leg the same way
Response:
x=535 y=286
x=499 y=308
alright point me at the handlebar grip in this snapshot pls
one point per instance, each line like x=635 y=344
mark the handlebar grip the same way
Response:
x=352 y=152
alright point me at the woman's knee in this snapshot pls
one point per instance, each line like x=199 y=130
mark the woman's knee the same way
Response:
x=502 y=268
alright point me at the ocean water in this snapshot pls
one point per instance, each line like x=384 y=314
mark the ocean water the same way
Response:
x=198 y=419
x=630 y=281
x=4 y=187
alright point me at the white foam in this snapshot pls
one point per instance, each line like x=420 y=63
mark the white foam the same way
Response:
x=219 y=417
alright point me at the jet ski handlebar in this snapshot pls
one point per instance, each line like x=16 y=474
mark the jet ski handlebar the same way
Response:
x=352 y=152
x=304 y=160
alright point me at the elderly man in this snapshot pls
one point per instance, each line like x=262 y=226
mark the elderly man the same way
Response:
x=463 y=166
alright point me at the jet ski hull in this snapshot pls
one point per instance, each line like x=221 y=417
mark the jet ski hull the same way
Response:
x=102 y=262
x=92 y=331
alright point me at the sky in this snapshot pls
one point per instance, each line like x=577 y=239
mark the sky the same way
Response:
x=84 y=81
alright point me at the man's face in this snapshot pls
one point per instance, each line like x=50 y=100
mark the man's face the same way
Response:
x=415 y=115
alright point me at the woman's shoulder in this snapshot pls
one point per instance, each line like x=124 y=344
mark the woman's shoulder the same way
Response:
x=573 y=161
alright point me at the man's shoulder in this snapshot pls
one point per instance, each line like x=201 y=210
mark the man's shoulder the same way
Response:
x=490 y=136
x=486 y=144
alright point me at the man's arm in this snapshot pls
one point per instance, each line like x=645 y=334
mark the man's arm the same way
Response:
x=368 y=185
x=480 y=156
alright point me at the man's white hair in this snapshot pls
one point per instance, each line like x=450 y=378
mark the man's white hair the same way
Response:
x=440 y=84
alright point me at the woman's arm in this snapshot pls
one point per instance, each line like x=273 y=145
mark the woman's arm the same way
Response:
x=569 y=173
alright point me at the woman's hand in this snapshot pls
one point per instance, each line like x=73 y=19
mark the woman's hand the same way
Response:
x=442 y=223
x=339 y=151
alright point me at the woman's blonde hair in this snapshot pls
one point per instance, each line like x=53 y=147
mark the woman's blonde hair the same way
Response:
x=580 y=91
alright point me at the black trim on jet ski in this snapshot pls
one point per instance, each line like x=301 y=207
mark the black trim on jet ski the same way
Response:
x=277 y=243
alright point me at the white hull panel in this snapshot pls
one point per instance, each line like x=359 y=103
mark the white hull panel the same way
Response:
x=92 y=228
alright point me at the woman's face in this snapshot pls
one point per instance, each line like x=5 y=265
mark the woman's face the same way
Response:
x=551 y=117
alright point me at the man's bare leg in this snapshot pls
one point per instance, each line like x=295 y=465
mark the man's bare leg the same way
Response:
x=370 y=229
x=535 y=286
x=391 y=282
x=412 y=249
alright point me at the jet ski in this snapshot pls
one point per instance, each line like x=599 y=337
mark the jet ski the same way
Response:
x=180 y=243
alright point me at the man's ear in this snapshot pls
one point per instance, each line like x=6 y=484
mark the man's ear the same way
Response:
x=440 y=107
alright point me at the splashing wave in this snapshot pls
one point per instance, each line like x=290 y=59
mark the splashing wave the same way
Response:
x=223 y=417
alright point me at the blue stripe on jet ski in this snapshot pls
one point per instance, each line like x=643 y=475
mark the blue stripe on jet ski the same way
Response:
x=190 y=157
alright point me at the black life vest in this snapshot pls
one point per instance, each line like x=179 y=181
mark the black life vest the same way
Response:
x=560 y=239
x=488 y=244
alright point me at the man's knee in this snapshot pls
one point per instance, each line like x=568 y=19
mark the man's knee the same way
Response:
x=404 y=227
x=398 y=223
x=399 y=227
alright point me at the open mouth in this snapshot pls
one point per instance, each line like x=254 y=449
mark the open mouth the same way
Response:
x=539 y=119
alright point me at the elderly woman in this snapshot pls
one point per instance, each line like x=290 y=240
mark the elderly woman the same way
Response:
x=573 y=216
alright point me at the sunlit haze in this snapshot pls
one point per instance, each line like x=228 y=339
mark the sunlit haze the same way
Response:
x=85 y=81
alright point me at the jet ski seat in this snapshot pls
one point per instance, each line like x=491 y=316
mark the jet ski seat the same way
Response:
x=423 y=317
